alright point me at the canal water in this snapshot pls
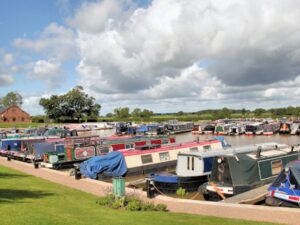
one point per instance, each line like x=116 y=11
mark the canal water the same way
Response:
x=232 y=140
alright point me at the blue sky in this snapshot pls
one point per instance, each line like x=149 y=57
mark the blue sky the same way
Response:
x=164 y=55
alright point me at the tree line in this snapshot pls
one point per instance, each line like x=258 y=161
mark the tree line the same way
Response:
x=77 y=106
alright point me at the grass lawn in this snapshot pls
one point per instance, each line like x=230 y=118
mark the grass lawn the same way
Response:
x=29 y=200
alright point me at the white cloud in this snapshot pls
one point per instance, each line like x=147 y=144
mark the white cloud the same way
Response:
x=47 y=71
x=175 y=52
x=6 y=73
x=8 y=59
x=147 y=52
x=6 y=79
x=55 y=42
x=93 y=17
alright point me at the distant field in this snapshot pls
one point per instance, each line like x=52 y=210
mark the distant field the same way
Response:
x=27 y=200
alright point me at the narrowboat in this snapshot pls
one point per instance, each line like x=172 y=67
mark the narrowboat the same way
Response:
x=285 y=190
x=151 y=129
x=101 y=146
x=295 y=129
x=259 y=129
x=17 y=148
x=72 y=150
x=222 y=129
x=157 y=129
x=209 y=129
x=236 y=173
x=149 y=159
x=236 y=129
x=255 y=128
x=175 y=127
x=125 y=128
x=270 y=128
x=57 y=133
x=285 y=128
x=131 y=142
x=193 y=167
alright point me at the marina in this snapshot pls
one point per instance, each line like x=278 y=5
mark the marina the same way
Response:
x=149 y=112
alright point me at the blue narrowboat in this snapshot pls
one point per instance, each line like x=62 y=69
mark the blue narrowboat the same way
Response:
x=285 y=190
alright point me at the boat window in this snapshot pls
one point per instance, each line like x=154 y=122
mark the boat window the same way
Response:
x=128 y=146
x=276 y=166
x=165 y=141
x=194 y=149
x=193 y=163
x=146 y=159
x=207 y=147
x=103 y=150
x=188 y=163
x=164 y=156
x=60 y=148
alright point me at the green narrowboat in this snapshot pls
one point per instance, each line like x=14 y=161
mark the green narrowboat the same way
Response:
x=234 y=174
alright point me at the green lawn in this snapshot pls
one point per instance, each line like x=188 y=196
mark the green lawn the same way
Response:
x=29 y=200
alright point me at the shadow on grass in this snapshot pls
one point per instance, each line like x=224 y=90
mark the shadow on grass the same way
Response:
x=13 y=196
x=12 y=175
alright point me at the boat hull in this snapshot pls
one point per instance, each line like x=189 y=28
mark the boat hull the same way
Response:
x=171 y=183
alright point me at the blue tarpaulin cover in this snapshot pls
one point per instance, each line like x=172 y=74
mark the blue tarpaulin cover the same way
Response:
x=112 y=164
x=168 y=178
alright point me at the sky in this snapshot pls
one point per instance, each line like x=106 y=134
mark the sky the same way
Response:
x=163 y=55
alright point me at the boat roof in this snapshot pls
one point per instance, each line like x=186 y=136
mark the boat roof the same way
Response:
x=270 y=153
x=131 y=152
x=23 y=139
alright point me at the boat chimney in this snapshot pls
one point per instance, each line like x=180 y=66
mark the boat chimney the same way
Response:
x=258 y=152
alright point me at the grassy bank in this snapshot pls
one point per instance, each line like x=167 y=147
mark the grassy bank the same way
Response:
x=29 y=200
x=21 y=125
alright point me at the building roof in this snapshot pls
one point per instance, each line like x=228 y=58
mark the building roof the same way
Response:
x=2 y=109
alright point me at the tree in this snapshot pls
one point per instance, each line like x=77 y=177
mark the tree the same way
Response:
x=180 y=113
x=109 y=115
x=122 y=112
x=259 y=111
x=244 y=111
x=136 y=113
x=12 y=98
x=75 y=105
x=146 y=113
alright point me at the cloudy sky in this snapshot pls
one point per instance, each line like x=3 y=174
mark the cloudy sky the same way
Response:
x=164 y=55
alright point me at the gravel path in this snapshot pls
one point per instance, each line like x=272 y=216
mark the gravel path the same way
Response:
x=228 y=210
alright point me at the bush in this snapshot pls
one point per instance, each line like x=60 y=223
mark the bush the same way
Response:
x=107 y=200
x=117 y=204
x=181 y=192
x=134 y=205
x=148 y=206
x=161 y=207
x=130 y=203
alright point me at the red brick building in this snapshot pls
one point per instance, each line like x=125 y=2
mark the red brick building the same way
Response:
x=13 y=114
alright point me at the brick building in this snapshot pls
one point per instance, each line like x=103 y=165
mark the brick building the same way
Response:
x=13 y=114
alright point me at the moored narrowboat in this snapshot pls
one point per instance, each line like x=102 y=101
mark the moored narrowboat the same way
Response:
x=175 y=127
x=285 y=128
x=94 y=145
x=285 y=190
x=295 y=129
x=148 y=159
x=237 y=173
x=18 y=148
x=193 y=167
